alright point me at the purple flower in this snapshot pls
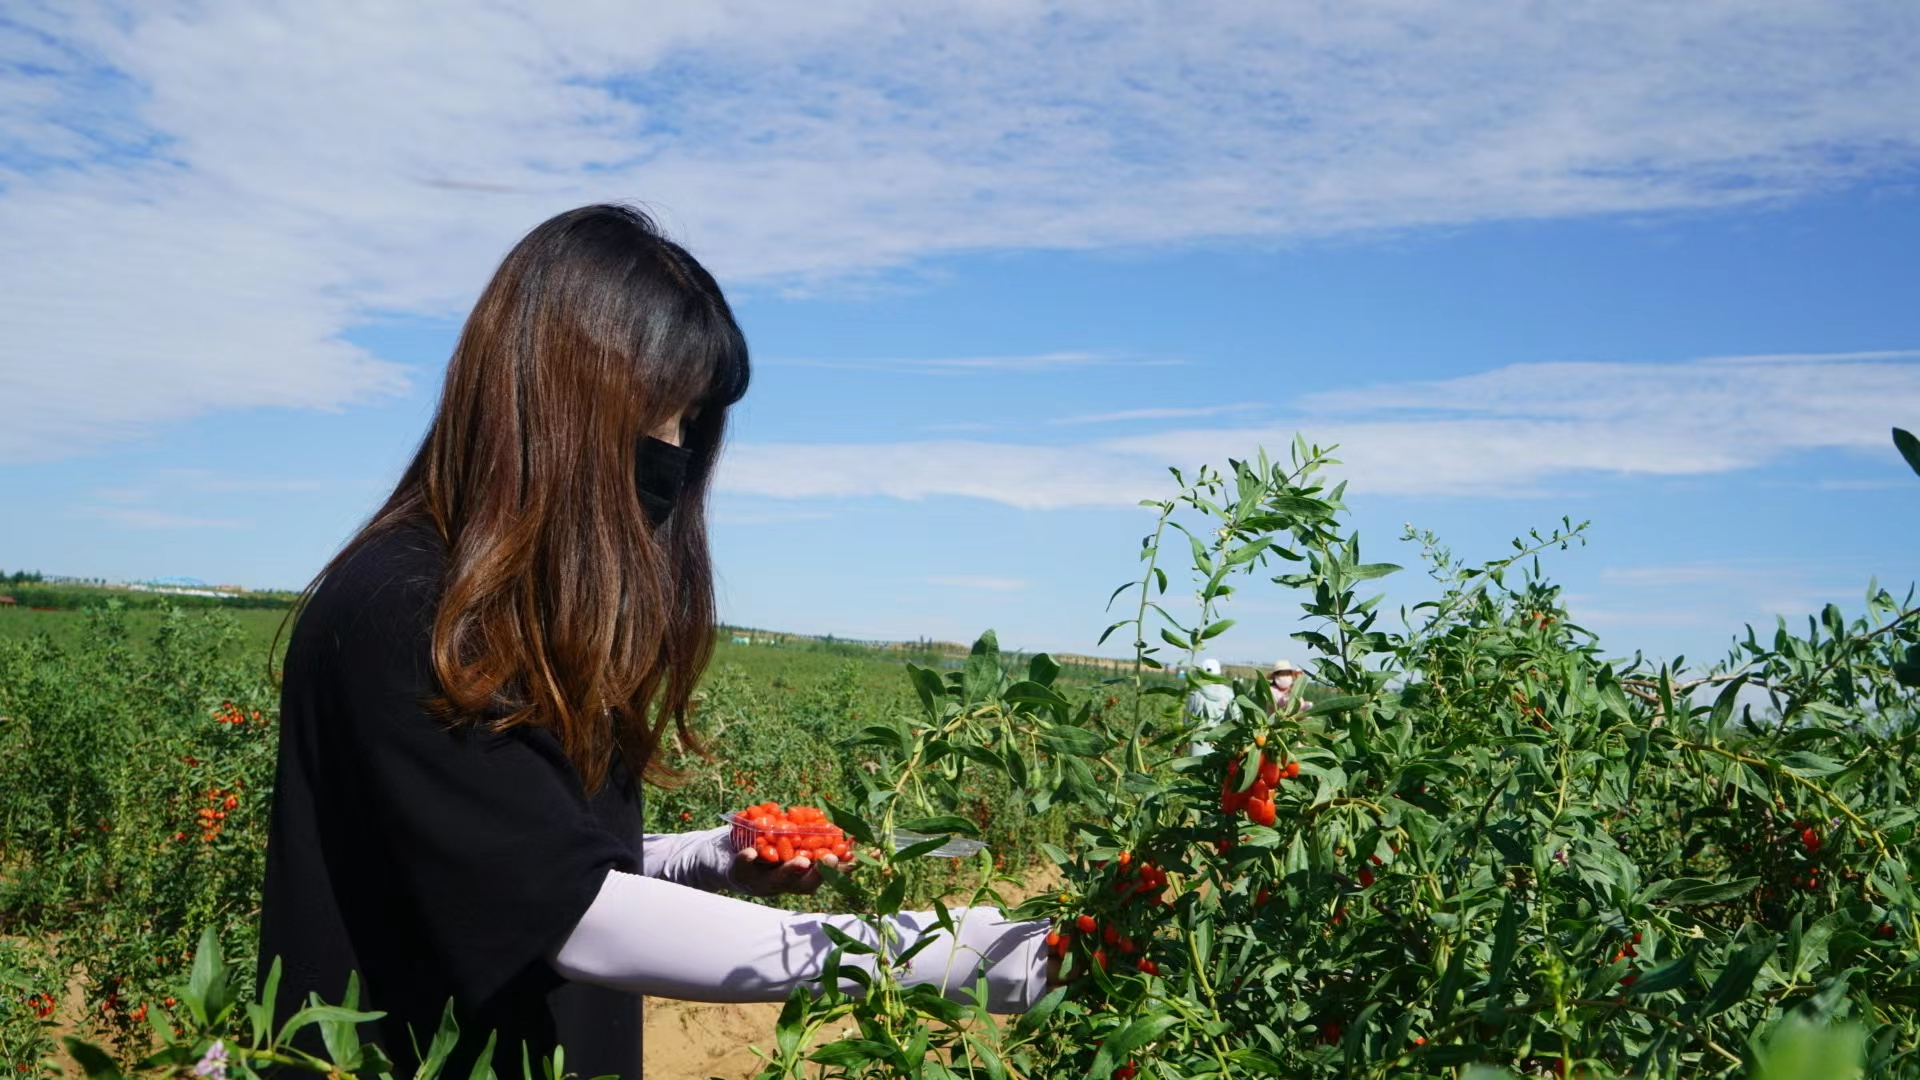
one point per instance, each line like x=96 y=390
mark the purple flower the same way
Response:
x=214 y=1064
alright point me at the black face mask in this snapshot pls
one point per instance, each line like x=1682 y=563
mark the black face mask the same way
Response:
x=661 y=474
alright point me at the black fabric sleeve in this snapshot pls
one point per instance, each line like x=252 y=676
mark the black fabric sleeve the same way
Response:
x=492 y=836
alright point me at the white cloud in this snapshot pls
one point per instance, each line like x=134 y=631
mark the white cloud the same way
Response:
x=1512 y=430
x=1504 y=433
x=1724 y=595
x=980 y=584
x=1029 y=477
x=199 y=199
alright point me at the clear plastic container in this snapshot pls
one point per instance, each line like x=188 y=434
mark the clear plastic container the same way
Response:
x=746 y=834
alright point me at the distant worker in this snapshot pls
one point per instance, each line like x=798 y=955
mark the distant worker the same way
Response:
x=1209 y=703
x=1283 y=681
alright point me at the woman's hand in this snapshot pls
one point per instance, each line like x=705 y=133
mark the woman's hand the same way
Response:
x=754 y=875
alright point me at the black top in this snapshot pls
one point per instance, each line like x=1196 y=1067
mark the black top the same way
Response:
x=435 y=862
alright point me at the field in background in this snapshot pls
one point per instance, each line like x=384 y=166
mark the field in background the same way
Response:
x=136 y=761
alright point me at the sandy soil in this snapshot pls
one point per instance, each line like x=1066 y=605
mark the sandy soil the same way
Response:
x=688 y=1040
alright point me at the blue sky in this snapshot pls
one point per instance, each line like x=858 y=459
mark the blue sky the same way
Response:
x=999 y=266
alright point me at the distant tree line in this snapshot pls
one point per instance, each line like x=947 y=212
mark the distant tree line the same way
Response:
x=34 y=591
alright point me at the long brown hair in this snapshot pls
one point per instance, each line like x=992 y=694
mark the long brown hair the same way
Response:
x=562 y=607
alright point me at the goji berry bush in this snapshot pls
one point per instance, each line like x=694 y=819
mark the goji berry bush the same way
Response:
x=1483 y=842
x=133 y=798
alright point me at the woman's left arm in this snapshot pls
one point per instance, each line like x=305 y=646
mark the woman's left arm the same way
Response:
x=700 y=860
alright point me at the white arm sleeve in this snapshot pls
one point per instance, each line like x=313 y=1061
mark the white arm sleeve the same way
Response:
x=647 y=936
x=700 y=860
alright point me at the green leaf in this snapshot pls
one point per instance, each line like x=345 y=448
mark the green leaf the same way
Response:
x=313 y=1014
x=1026 y=691
x=892 y=895
x=845 y=940
x=340 y=1035
x=1042 y=669
x=1736 y=978
x=374 y=1061
x=1257 y=1060
x=851 y=824
x=1667 y=976
x=260 y=1013
x=1370 y=571
x=1688 y=891
x=928 y=684
x=982 y=675
x=1119 y=1047
x=1214 y=630
x=1248 y=552
x=91 y=1059
x=1506 y=941
x=919 y=848
x=945 y=823
x=1909 y=447
x=996 y=1070
x=483 y=1065
x=1813 y=944
x=445 y=1038
x=880 y=735
x=206 y=984
x=1073 y=740
x=1723 y=704
x=1806 y=763
x=1341 y=703
x=850 y=1053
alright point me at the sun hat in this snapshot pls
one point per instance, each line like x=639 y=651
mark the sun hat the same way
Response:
x=1284 y=665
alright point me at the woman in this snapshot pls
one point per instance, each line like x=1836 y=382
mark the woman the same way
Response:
x=1281 y=682
x=480 y=679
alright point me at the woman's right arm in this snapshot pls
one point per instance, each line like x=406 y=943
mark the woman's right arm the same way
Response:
x=648 y=936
